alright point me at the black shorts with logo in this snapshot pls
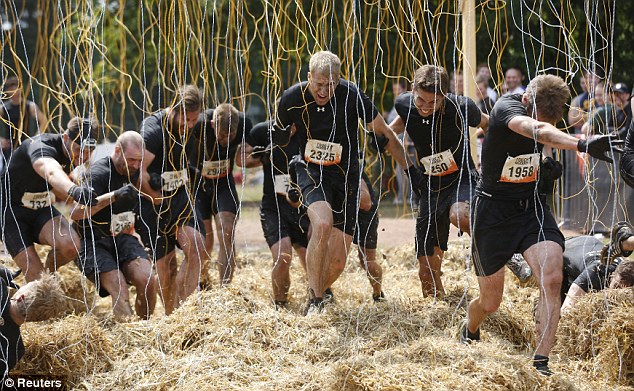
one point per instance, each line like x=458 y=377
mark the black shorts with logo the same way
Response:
x=21 y=226
x=501 y=228
x=282 y=220
x=217 y=196
x=107 y=254
x=432 y=222
x=338 y=189
x=156 y=224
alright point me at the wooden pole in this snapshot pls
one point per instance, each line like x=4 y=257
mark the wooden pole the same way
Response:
x=469 y=61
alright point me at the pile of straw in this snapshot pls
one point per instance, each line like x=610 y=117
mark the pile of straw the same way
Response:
x=233 y=338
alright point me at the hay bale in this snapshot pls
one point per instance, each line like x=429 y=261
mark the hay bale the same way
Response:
x=601 y=328
x=69 y=348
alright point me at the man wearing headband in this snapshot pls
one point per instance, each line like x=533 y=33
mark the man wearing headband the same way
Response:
x=36 y=175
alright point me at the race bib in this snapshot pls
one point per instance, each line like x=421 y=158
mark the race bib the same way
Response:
x=323 y=152
x=121 y=222
x=214 y=169
x=282 y=183
x=37 y=200
x=439 y=164
x=520 y=169
x=172 y=180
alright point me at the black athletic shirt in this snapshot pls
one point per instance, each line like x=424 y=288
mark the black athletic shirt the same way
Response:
x=593 y=275
x=336 y=122
x=104 y=178
x=170 y=150
x=445 y=130
x=500 y=144
x=11 y=345
x=208 y=148
x=21 y=177
x=260 y=136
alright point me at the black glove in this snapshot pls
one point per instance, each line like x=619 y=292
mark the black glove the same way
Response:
x=296 y=163
x=126 y=194
x=156 y=181
x=8 y=276
x=599 y=145
x=262 y=153
x=83 y=195
x=551 y=169
x=378 y=142
x=293 y=193
x=417 y=179
x=281 y=136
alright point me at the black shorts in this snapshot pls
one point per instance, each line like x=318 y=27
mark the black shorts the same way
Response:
x=338 y=189
x=107 y=254
x=156 y=224
x=501 y=228
x=217 y=196
x=21 y=226
x=366 y=232
x=282 y=220
x=432 y=222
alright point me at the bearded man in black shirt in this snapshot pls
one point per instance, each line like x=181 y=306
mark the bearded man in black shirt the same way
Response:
x=37 y=174
x=110 y=255
x=510 y=216
x=437 y=122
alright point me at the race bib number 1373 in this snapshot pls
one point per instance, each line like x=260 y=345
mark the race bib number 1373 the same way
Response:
x=520 y=169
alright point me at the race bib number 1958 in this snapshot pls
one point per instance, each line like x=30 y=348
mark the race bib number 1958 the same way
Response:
x=172 y=180
x=520 y=169
x=323 y=152
x=439 y=164
x=37 y=200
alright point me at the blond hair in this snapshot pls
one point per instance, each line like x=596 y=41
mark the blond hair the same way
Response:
x=188 y=98
x=548 y=95
x=226 y=118
x=46 y=301
x=325 y=63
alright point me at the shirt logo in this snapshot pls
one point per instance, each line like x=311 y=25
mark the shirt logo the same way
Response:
x=322 y=109
x=426 y=121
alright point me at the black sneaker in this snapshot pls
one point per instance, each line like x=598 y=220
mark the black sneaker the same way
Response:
x=621 y=231
x=519 y=267
x=329 y=297
x=379 y=298
x=544 y=370
x=315 y=306
x=541 y=365
x=280 y=304
x=467 y=337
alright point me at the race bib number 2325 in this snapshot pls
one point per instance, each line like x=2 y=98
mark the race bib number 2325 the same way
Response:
x=323 y=152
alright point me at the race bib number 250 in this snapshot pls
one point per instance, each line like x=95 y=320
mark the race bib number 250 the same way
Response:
x=520 y=169
x=439 y=164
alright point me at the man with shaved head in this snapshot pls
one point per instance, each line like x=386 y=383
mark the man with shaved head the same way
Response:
x=109 y=254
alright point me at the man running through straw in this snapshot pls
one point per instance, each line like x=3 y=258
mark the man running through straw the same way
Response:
x=283 y=219
x=437 y=122
x=326 y=110
x=221 y=131
x=509 y=215
x=110 y=255
x=36 y=176
x=167 y=218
